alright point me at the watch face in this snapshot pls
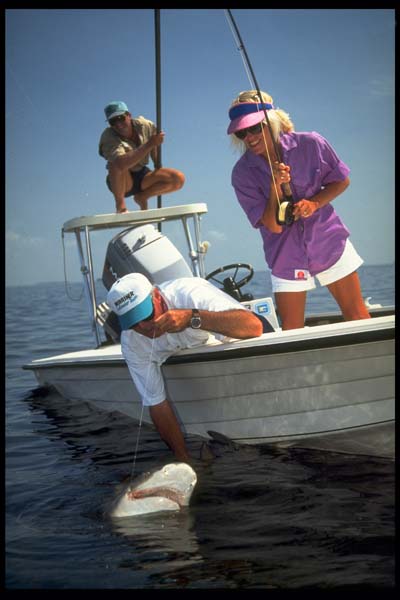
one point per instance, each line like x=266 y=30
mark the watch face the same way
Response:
x=195 y=321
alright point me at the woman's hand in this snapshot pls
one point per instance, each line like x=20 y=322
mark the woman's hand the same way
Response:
x=281 y=173
x=305 y=208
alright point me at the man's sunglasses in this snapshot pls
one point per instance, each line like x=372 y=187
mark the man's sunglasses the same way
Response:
x=149 y=318
x=241 y=134
x=116 y=120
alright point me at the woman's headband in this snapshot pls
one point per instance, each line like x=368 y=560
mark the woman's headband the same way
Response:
x=246 y=108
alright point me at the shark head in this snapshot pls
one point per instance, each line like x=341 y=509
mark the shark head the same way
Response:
x=168 y=488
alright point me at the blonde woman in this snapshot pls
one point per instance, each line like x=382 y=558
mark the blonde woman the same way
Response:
x=316 y=245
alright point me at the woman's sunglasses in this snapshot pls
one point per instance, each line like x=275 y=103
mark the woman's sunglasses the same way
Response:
x=241 y=134
x=116 y=120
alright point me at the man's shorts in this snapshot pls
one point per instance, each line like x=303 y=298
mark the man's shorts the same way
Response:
x=349 y=262
x=137 y=177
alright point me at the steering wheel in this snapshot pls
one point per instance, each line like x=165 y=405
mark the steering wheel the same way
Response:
x=236 y=266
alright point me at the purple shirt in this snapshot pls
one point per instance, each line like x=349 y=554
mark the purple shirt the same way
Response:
x=313 y=244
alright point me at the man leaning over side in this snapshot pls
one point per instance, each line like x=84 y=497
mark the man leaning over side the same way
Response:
x=159 y=321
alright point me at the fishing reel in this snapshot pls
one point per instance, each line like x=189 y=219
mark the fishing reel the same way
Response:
x=284 y=210
x=284 y=213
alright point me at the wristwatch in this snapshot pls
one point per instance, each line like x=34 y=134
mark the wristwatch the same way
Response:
x=195 y=321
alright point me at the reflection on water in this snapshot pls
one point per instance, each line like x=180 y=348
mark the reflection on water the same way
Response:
x=163 y=532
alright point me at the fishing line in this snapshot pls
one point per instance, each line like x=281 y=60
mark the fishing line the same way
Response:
x=22 y=89
x=141 y=414
x=287 y=205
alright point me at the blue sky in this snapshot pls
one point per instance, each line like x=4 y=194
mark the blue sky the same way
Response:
x=331 y=70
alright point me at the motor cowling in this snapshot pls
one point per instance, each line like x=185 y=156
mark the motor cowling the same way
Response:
x=143 y=250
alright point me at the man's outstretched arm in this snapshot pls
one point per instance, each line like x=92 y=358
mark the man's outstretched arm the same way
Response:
x=240 y=324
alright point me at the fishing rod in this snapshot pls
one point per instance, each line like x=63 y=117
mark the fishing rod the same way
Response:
x=285 y=209
x=158 y=93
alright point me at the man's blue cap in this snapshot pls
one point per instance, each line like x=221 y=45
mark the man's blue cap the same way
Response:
x=131 y=299
x=114 y=109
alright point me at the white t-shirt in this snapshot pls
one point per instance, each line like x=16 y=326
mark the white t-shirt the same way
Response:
x=144 y=356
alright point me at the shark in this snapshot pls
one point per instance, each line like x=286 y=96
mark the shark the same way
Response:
x=167 y=489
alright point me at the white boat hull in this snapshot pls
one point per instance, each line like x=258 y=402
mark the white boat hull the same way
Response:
x=329 y=387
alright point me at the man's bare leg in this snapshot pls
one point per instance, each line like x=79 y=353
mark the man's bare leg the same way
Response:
x=158 y=182
x=141 y=198
x=120 y=183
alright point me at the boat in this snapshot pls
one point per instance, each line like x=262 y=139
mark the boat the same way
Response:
x=327 y=386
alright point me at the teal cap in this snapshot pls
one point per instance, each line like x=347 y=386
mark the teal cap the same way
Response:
x=113 y=109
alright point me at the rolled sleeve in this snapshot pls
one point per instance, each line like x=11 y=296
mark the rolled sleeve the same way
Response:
x=251 y=193
x=332 y=168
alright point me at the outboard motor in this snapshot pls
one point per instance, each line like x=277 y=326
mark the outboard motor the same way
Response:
x=143 y=250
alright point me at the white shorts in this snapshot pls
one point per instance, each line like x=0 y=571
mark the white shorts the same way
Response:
x=347 y=263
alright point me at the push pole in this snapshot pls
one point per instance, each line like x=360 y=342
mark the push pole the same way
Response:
x=158 y=93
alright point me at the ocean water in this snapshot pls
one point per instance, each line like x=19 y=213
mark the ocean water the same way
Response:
x=259 y=517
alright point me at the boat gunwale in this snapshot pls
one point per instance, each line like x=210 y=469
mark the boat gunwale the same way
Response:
x=263 y=346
